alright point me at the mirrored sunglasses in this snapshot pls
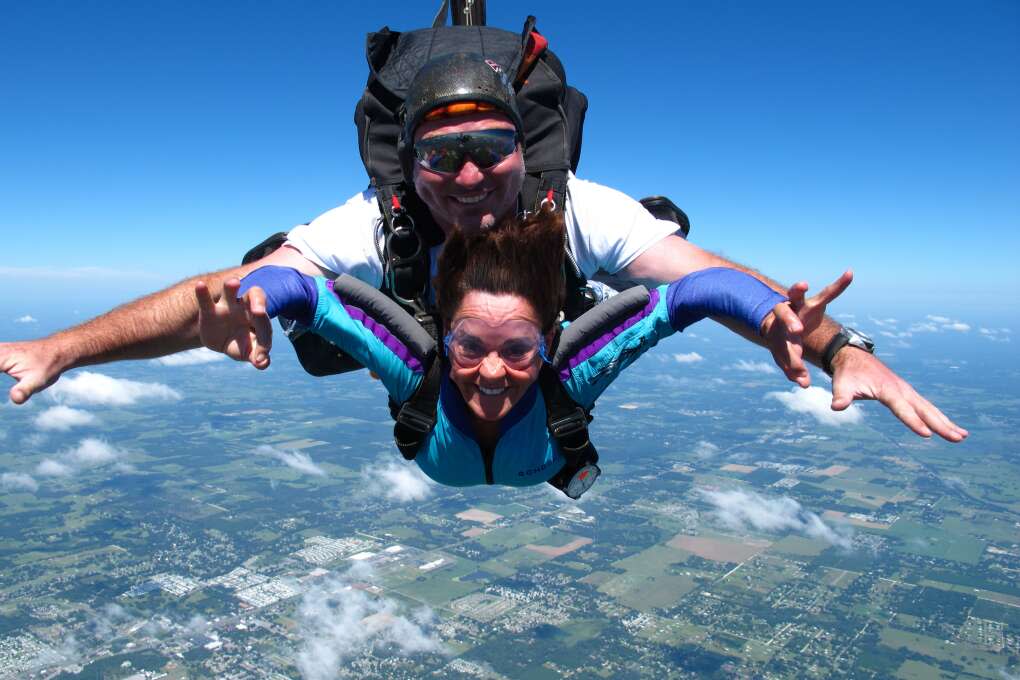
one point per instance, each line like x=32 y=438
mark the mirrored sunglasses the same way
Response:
x=448 y=153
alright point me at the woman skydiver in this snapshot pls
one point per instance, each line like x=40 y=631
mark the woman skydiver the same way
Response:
x=499 y=292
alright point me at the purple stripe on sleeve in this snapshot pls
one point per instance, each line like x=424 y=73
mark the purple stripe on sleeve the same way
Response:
x=603 y=340
x=382 y=333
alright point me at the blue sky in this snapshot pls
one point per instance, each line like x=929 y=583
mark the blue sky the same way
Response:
x=144 y=142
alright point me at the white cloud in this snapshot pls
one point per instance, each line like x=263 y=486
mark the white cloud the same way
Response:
x=740 y=510
x=297 y=460
x=89 y=453
x=97 y=389
x=108 y=620
x=67 y=652
x=883 y=323
x=995 y=334
x=337 y=622
x=197 y=625
x=399 y=482
x=63 y=418
x=936 y=323
x=92 y=452
x=27 y=318
x=817 y=403
x=53 y=468
x=192 y=357
x=753 y=366
x=704 y=449
x=688 y=358
x=18 y=481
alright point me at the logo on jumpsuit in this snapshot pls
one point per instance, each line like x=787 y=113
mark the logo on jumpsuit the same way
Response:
x=532 y=471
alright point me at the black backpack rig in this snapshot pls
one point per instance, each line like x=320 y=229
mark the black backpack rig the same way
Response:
x=553 y=114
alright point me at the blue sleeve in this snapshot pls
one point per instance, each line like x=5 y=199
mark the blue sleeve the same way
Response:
x=720 y=291
x=711 y=292
x=367 y=340
x=288 y=292
x=588 y=373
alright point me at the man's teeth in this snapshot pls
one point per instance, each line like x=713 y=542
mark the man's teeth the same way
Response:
x=470 y=199
x=491 y=392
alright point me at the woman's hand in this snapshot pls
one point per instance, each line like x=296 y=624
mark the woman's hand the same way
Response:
x=787 y=324
x=239 y=328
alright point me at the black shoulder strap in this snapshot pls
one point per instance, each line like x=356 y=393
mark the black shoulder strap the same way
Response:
x=568 y=426
x=417 y=416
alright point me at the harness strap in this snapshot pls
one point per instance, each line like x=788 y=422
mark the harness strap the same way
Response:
x=568 y=426
x=405 y=255
x=417 y=416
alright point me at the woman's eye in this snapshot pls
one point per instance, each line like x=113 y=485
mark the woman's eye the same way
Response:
x=472 y=348
x=516 y=351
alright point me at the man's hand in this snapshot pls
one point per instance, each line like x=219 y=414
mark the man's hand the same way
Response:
x=785 y=328
x=860 y=375
x=239 y=328
x=34 y=365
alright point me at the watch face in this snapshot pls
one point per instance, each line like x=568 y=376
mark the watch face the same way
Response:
x=859 y=340
x=582 y=480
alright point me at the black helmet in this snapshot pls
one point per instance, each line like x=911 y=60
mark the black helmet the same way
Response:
x=457 y=77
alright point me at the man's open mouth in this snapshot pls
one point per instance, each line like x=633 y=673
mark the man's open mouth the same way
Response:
x=472 y=198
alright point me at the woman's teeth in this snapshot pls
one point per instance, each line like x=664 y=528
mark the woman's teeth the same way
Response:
x=470 y=199
x=491 y=392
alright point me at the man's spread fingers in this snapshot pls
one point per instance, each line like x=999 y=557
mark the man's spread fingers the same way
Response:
x=18 y=395
x=256 y=301
x=263 y=331
x=793 y=323
x=24 y=389
x=836 y=288
x=941 y=425
x=903 y=410
x=206 y=306
x=230 y=288
x=796 y=293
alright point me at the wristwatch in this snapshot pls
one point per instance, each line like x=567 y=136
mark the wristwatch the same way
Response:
x=845 y=336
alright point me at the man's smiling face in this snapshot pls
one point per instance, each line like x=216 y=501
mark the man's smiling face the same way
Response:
x=471 y=197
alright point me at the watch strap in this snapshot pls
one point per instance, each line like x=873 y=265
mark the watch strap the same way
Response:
x=838 y=342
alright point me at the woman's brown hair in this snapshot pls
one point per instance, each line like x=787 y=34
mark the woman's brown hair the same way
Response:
x=521 y=256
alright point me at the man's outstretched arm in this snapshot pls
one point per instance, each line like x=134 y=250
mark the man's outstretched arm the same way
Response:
x=155 y=325
x=857 y=374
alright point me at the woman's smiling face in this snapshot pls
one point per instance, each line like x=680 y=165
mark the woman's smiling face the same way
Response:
x=501 y=329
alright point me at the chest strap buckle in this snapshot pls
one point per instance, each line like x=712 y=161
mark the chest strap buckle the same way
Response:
x=571 y=431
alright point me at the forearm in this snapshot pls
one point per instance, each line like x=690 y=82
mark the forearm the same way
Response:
x=158 y=324
x=161 y=323
x=724 y=293
x=674 y=257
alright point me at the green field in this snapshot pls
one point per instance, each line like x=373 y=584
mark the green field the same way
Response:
x=921 y=539
x=980 y=663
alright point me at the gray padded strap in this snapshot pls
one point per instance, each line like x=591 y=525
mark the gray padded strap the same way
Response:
x=598 y=321
x=387 y=313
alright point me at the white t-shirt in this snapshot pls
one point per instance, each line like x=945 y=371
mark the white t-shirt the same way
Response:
x=607 y=230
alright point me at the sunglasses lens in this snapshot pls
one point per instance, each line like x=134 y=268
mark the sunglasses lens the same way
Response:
x=440 y=159
x=448 y=153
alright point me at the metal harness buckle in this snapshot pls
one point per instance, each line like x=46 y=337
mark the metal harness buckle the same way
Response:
x=415 y=420
x=572 y=424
